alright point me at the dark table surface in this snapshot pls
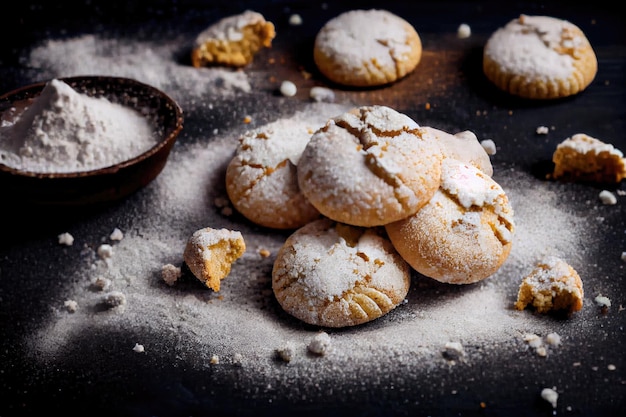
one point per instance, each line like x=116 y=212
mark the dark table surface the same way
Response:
x=93 y=378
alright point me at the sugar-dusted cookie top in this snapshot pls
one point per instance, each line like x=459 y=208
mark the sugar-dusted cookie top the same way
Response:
x=334 y=275
x=369 y=167
x=365 y=48
x=464 y=233
x=540 y=57
x=261 y=178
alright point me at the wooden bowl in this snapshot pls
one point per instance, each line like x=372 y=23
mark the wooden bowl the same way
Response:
x=103 y=184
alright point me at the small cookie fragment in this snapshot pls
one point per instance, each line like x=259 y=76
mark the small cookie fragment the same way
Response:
x=66 y=239
x=321 y=344
x=366 y=48
x=587 y=159
x=539 y=57
x=370 y=166
x=233 y=40
x=210 y=253
x=550 y=395
x=553 y=285
x=334 y=275
x=464 y=233
x=170 y=273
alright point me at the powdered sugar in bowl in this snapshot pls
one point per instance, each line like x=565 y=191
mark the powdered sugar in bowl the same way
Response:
x=80 y=140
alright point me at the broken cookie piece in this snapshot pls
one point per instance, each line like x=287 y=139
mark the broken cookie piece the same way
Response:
x=553 y=285
x=586 y=159
x=210 y=253
x=233 y=40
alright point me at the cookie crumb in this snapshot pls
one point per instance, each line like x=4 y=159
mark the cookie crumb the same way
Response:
x=116 y=234
x=295 y=20
x=602 y=301
x=464 y=31
x=247 y=119
x=105 y=251
x=288 y=88
x=66 y=239
x=286 y=352
x=550 y=395
x=70 y=305
x=553 y=339
x=607 y=198
x=322 y=94
x=320 y=344
x=101 y=283
x=489 y=146
x=453 y=351
x=214 y=360
x=264 y=253
x=623 y=257
x=170 y=274
x=138 y=348
x=114 y=299
x=238 y=359
x=542 y=130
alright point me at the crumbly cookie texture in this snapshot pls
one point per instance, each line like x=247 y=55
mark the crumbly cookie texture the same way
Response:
x=369 y=167
x=464 y=233
x=261 y=178
x=583 y=158
x=334 y=275
x=365 y=48
x=553 y=285
x=463 y=146
x=540 y=57
x=210 y=253
x=233 y=40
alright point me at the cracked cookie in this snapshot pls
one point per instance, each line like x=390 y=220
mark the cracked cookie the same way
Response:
x=366 y=48
x=370 y=166
x=335 y=275
x=463 y=234
x=540 y=57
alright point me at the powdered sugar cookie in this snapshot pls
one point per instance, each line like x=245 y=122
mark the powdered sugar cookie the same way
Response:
x=365 y=48
x=210 y=253
x=233 y=40
x=261 y=178
x=463 y=146
x=369 y=167
x=463 y=234
x=334 y=275
x=552 y=285
x=540 y=57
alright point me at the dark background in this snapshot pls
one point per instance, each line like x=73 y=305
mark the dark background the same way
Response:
x=107 y=384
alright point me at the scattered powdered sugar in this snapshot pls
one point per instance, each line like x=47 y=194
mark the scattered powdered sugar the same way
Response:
x=242 y=318
x=140 y=286
x=152 y=63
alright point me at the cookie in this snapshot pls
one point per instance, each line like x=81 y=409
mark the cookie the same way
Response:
x=463 y=234
x=210 y=253
x=261 y=178
x=552 y=285
x=463 y=146
x=367 y=48
x=233 y=40
x=370 y=166
x=334 y=275
x=586 y=159
x=540 y=57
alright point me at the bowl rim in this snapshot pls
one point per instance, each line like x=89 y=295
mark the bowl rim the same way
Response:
x=166 y=139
